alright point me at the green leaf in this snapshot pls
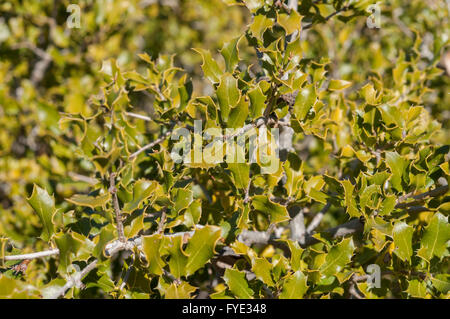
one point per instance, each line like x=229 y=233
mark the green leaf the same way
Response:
x=441 y=282
x=417 y=289
x=336 y=85
x=3 y=243
x=44 y=206
x=178 y=258
x=200 y=248
x=338 y=257
x=210 y=67
x=277 y=212
x=304 y=101
x=295 y=286
x=261 y=267
x=296 y=254
x=107 y=234
x=142 y=190
x=179 y=291
x=260 y=25
x=241 y=174
x=240 y=171
x=290 y=22
x=238 y=114
x=366 y=196
x=67 y=245
x=237 y=283
x=183 y=198
x=253 y=5
x=257 y=102
x=90 y=201
x=397 y=166
x=230 y=53
x=435 y=238
x=151 y=248
x=350 y=202
x=402 y=234
x=228 y=95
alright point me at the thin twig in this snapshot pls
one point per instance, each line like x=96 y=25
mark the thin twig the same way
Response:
x=161 y=222
x=354 y=291
x=419 y=198
x=118 y=213
x=75 y=280
x=125 y=278
x=247 y=191
x=305 y=27
x=82 y=178
x=152 y=144
x=138 y=116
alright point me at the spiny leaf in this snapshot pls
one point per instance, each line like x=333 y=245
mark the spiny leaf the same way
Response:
x=305 y=100
x=210 y=67
x=350 y=202
x=294 y=286
x=290 y=22
x=402 y=234
x=397 y=166
x=178 y=259
x=179 y=291
x=277 y=212
x=230 y=52
x=417 y=289
x=151 y=246
x=44 y=206
x=142 y=190
x=260 y=24
x=90 y=201
x=338 y=257
x=200 y=248
x=435 y=238
x=261 y=267
x=237 y=283
x=228 y=95
x=336 y=85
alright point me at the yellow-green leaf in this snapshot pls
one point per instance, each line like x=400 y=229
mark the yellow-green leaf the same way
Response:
x=90 y=201
x=338 y=257
x=237 y=283
x=200 y=248
x=402 y=234
x=44 y=206
x=294 y=286
x=151 y=248
x=435 y=238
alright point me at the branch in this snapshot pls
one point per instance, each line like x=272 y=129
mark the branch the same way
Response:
x=138 y=116
x=327 y=17
x=297 y=225
x=74 y=280
x=250 y=237
x=419 y=198
x=259 y=122
x=41 y=66
x=152 y=144
x=113 y=191
x=82 y=178
x=39 y=254
x=318 y=218
x=349 y=228
x=111 y=248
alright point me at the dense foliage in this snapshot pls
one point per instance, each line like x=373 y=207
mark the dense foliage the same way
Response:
x=357 y=179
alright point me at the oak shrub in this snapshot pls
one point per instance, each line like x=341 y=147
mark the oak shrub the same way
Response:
x=363 y=106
